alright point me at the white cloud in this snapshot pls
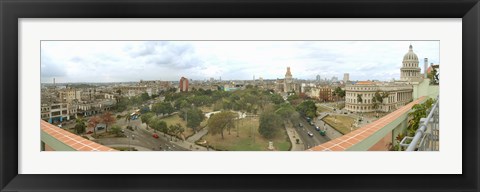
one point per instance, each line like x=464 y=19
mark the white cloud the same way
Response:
x=107 y=61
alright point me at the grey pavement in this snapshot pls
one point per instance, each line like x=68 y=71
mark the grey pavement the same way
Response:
x=195 y=137
x=293 y=135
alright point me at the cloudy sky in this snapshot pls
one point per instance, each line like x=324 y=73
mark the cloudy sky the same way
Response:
x=117 y=61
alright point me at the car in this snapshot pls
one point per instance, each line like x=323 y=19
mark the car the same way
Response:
x=311 y=123
x=89 y=132
x=100 y=128
x=300 y=125
x=310 y=134
x=155 y=136
x=317 y=128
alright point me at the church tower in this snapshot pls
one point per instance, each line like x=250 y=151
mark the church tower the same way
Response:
x=288 y=83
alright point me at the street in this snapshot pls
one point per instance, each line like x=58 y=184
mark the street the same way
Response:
x=143 y=138
x=309 y=141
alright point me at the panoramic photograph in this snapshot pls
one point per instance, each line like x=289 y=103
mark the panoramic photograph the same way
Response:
x=310 y=96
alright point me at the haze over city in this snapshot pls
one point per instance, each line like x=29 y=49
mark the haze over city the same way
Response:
x=122 y=61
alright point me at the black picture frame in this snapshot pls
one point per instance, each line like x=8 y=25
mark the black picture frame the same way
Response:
x=12 y=10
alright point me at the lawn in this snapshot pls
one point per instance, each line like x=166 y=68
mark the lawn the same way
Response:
x=247 y=140
x=174 y=119
x=322 y=109
x=342 y=124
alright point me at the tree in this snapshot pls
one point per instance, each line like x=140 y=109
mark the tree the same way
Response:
x=117 y=130
x=419 y=111
x=277 y=99
x=359 y=98
x=307 y=109
x=176 y=129
x=193 y=116
x=145 y=118
x=80 y=126
x=270 y=124
x=221 y=121
x=144 y=97
x=285 y=111
x=128 y=118
x=108 y=119
x=163 y=108
x=93 y=122
x=294 y=99
x=158 y=124
x=433 y=76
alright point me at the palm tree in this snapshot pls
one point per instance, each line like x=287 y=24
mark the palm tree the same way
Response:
x=80 y=125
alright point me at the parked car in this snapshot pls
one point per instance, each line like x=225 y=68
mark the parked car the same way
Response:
x=155 y=136
x=89 y=132
x=317 y=128
x=300 y=125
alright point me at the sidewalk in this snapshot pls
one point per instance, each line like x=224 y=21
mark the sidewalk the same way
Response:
x=292 y=134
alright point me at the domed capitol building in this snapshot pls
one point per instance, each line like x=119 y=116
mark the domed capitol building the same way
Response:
x=372 y=96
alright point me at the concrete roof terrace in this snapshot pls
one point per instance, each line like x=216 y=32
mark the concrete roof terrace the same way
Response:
x=365 y=137
x=58 y=139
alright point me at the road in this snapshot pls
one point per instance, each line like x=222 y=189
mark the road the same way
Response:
x=145 y=139
x=309 y=142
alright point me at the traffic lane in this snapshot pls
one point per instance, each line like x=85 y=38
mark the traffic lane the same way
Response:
x=307 y=140
x=317 y=138
x=320 y=138
x=160 y=143
x=146 y=138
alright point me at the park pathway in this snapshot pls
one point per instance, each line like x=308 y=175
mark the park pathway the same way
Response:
x=197 y=135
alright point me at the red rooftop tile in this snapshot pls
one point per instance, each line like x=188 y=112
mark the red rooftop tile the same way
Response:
x=72 y=140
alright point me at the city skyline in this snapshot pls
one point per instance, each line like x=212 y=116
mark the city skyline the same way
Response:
x=130 y=61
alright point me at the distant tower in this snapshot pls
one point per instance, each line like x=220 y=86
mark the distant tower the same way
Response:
x=318 y=78
x=346 y=77
x=410 y=69
x=253 y=77
x=425 y=66
x=54 y=82
x=183 y=85
x=288 y=82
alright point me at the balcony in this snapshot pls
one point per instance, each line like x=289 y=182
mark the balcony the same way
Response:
x=375 y=136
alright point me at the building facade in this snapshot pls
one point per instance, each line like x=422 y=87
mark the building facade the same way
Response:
x=325 y=94
x=287 y=84
x=410 y=70
x=359 y=97
x=183 y=85
x=346 y=77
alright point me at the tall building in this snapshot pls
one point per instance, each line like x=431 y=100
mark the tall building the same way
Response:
x=319 y=78
x=288 y=80
x=286 y=85
x=183 y=85
x=410 y=70
x=346 y=77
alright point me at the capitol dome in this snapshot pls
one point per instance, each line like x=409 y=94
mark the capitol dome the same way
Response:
x=410 y=56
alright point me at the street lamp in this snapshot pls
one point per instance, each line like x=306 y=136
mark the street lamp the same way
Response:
x=133 y=137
